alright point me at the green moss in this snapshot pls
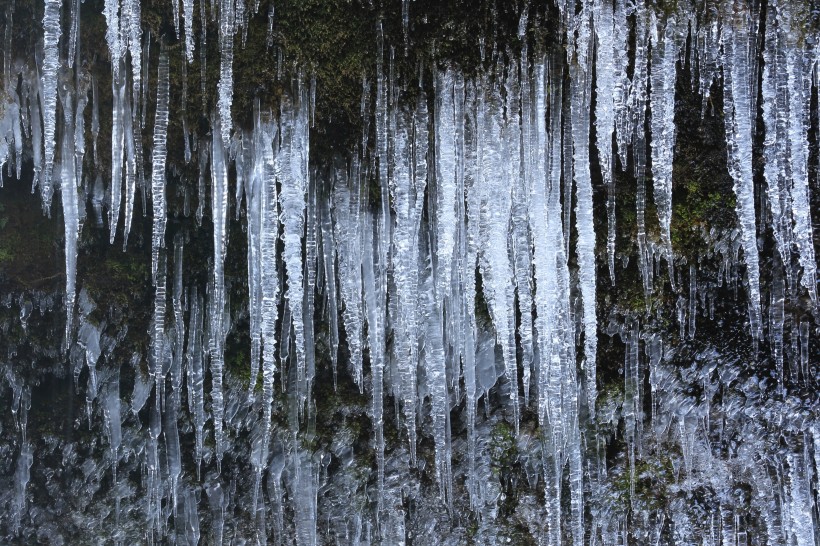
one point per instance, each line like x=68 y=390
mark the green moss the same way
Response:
x=503 y=448
x=652 y=480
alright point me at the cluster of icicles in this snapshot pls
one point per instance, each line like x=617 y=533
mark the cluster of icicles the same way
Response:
x=478 y=178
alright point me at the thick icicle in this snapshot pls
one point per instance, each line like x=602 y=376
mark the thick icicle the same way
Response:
x=216 y=333
x=158 y=161
x=292 y=171
x=799 y=67
x=580 y=101
x=408 y=184
x=666 y=45
x=376 y=328
x=347 y=230
x=48 y=93
x=70 y=199
x=188 y=15
x=196 y=373
x=610 y=70
x=739 y=79
x=227 y=28
x=495 y=197
x=446 y=183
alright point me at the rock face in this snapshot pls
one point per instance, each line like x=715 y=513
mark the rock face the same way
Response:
x=366 y=295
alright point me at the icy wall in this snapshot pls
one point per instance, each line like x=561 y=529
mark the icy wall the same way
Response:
x=560 y=289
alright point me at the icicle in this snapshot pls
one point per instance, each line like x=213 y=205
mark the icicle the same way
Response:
x=348 y=234
x=196 y=374
x=130 y=168
x=22 y=475
x=739 y=77
x=376 y=327
x=610 y=70
x=117 y=147
x=666 y=46
x=188 y=14
x=175 y=13
x=95 y=117
x=158 y=339
x=519 y=235
x=264 y=214
x=634 y=130
x=216 y=347
x=581 y=81
x=436 y=379
x=291 y=168
x=408 y=183
x=179 y=322
x=309 y=288
x=74 y=33
x=227 y=28
x=158 y=161
x=82 y=82
x=496 y=202
x=799 y=69
x=48 y=93
x=70 y=200
x=329 y=264
x=113 y=421
x=446 y=182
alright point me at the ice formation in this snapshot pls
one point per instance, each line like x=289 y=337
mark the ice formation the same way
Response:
x=456 y=242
